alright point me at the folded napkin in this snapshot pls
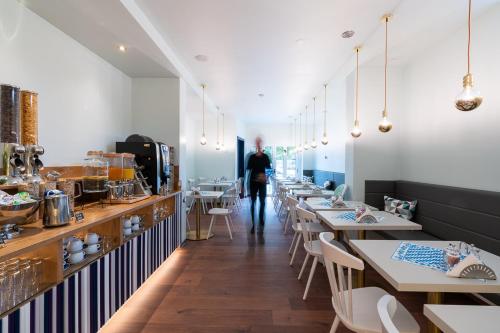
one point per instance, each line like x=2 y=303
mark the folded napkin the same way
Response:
x=458 y=268
x=338 y=202
x=367 y=217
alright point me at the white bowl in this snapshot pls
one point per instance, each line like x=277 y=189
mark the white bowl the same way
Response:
x=127 y=223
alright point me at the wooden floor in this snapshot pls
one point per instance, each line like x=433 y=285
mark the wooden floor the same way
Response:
x=243 y=285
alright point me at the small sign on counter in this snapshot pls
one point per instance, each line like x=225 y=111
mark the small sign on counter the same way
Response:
x=79 y=217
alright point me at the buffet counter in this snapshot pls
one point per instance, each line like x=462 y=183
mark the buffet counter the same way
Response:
x=81 y=297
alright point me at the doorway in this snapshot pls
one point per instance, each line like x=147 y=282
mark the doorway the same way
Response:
x=240 y=158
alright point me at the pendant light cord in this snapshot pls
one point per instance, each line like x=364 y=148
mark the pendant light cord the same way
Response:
x=385 y=69
x=218 y=125
x=357 y=80
x=222 y=128
x=203 y=113
x=305 y=127
x=468 y=40
x=324 y=119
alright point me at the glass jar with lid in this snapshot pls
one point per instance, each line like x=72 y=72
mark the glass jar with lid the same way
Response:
x=29 y=118
x=115 y=166
x=95 y=172
x=128 y=166
x=10 y=124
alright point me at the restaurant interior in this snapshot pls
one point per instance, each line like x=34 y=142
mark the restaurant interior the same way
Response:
x=249 y=166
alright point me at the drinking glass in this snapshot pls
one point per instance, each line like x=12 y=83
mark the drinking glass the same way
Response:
x=37 y=273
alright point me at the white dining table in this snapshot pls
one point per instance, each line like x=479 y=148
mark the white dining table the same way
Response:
x=222 y=184
x=199 y=234
x=298 y=187
x=407 y=277
x=312 y=194
x=322 y=204
x=464 y=318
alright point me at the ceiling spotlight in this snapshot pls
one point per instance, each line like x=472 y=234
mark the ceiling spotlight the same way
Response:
x=299 y=41
x=201 y=58
x=347 y=34
x=122 y=48
x=261 y=95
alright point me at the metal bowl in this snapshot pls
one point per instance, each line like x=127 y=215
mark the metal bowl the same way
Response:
x=19 y=214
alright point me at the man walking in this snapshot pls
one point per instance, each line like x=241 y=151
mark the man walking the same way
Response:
x=257 y=165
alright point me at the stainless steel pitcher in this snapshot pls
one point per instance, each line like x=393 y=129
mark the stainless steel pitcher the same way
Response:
x=57 y=211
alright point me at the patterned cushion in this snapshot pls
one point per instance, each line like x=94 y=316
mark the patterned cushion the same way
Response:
x=401 y=208
x=340 y=191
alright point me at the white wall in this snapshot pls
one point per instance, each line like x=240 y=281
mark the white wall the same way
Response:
x=440 y=144
x=374 y=155
x=84 y=102
x=205 y=161
x=155 y=110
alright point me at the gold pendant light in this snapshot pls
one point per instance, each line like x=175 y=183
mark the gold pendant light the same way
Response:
x=203 y=140
x=356 y=131
x=295 y=134
x=324 y=139
x=314 y=144
x=385 y=125
x=470 y=98
x=217 y=146
x=306 y=145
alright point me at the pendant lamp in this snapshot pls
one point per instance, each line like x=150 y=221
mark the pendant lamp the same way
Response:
x=299 y=149
x=356 y=131
x=222 y=147
x=385 y=125
x=314 y=144
x=306 y=145
x=470 y=98
x=217 y=146
x=203 y=140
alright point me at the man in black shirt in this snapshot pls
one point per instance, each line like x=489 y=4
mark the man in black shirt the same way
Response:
x=257 y=164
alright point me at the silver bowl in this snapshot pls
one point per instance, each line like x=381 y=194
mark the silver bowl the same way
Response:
x=19 y=214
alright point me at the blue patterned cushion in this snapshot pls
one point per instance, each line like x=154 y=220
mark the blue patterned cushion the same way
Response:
x=401 y=208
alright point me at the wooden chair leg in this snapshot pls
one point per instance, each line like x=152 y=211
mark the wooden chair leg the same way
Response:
x=293 y=241
x=297 y=242
x=311 y=274
x=304 y=265
x=228 y=227
x=212 y=220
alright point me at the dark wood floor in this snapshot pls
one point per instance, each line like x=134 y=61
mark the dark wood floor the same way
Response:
x=243 y=285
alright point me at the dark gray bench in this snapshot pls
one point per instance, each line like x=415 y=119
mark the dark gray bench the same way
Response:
x=445 y=213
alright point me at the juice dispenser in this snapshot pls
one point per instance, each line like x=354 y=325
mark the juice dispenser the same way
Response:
x=115 y=166
x=95 y=173
x=128 y=166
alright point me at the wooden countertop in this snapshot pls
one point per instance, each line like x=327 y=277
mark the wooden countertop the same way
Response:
x=35 y=236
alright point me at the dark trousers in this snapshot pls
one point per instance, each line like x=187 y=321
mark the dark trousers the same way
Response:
x=260 y=188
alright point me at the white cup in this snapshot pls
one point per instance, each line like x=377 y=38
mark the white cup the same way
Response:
x=92 y=238
x=127 y=231
x=74 y=245
x=76 y=257
x=92 y=249
x=136 y=227
x=127 y=222
x=136 y=219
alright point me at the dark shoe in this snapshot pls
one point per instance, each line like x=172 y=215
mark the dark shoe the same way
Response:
x=252 y=231
x=260 y=231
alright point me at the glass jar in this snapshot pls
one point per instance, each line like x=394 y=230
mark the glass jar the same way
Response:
x=115 y=166
x=9 y=114
x=128 y=166
x=95 y=172
x=29 y=118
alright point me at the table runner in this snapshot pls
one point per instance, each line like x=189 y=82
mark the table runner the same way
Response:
x=421 y=255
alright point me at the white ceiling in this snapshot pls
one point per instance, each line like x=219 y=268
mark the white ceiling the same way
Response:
x=102 y=26
x=252 y=45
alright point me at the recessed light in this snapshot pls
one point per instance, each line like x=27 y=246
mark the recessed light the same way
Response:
x=122 y=48
x=347 y=34
x=201 y=57
x=299 y=41
x=261 y=95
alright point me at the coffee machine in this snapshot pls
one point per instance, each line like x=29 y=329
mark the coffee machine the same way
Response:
x=152 y=158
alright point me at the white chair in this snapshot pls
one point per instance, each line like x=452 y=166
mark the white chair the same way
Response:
x=312 y=246
x=387 y=306
x=189 y=207
x=357 y=308
x=226 y=212
x=340 y=190
x=315 y=228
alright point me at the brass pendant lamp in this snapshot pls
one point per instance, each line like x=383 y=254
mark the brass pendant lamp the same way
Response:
x=203 y=140
x=385 y=125
x=306 y=145
x=314 y=144
x=324 y=139
x=470 y=98
x=356 y=131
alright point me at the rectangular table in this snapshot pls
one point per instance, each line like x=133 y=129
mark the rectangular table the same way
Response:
x=320 y=204
x=297 y=187
x=311 y=194
x=406 y=277
x=464 y=318
x=199 y=234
